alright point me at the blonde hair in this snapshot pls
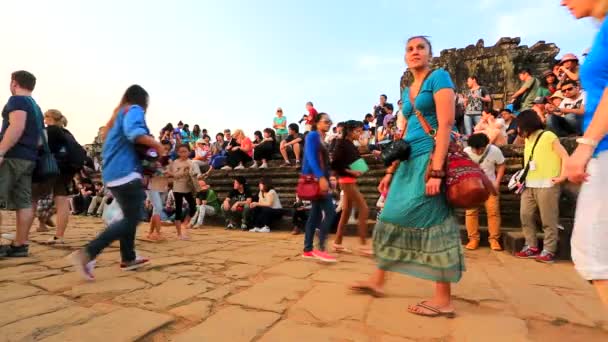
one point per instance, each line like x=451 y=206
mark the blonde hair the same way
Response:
x=238 y=134
x=56 y=115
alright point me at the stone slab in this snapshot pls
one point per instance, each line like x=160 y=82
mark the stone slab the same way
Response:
x=495 y=328
x=343 y=305
x=240 y=271
x=113 y=286
x=38 y=327
x=196 y=311
x=12 y=291
x=216 y=294
x=168 y=261
x=136 y=323
x=65 y=281
x=164 y=296
x=296 y=269
x=232 y=324
x=271 y=294
x=31 y=306
x=288 y=330
x=152 y=277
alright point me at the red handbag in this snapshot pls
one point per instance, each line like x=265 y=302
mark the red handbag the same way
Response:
x=467 y=186
x=308 y=188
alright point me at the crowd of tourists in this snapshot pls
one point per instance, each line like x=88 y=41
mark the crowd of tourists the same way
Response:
x=415 y=233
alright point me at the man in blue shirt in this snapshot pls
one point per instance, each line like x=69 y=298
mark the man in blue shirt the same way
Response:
x=19 y=141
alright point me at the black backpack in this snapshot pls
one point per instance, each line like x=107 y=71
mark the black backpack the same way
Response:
x=72 y=156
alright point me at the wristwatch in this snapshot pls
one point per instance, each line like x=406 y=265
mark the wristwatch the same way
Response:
x=587 y=141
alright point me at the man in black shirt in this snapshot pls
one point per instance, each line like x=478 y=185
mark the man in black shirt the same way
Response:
x=237 y=204
x=293 y=143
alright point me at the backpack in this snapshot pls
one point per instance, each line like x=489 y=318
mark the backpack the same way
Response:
x=72 y=155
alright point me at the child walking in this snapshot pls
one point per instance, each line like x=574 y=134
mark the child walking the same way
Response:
x=183 y=188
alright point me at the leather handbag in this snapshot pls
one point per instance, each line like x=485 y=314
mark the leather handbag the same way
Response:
x=308 y=188
x=467 y=186
x=46 y=165
x=396 y=150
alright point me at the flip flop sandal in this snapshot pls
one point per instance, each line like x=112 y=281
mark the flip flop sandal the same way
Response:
x=340 y=248
x=366 y=289
x=366 y=251
x=434 y=311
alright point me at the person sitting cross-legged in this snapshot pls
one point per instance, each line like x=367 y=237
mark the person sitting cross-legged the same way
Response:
x=268 y=208
x=237 y=204
x=492 y=162
x=293 y=143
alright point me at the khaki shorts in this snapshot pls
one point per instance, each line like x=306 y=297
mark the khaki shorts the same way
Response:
x=16 y=184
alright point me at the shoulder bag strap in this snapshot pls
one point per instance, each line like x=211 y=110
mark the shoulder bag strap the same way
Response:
x=39 y=119
x=534 y=146
x=485 y=154
x=428 y=129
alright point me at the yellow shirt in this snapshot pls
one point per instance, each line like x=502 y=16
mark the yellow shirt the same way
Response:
x=547 y=163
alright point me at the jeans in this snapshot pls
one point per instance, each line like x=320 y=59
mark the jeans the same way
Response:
x=321 y=216
x=264 y=216
x=470 y=121
x=562 y=126
x=130 y=198
x=202 y=211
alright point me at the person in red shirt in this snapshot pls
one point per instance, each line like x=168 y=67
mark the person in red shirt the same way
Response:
x=312 y=113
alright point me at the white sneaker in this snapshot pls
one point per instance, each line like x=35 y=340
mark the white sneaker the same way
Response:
x=254 y=166
x=264 y=166
x=227 y=168
x=266 y=229
x=254 y=230
x=239 y=167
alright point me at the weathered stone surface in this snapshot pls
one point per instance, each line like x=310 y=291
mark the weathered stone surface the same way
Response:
x=239 y=271
x=216 y=294
x=390 y=315
x=337 y=276
x=295 y=269
x=199 y=250
x=196 y=311
x=288 y=330
x=67 y=280
x=15 y=291
x=489 y=328
x=110 y=286
x=271 y=294
x=168 y=294
x=32 y=306
x=42 y=326
x=243 y=326
x=25 y=272
x=152 y=277
x=140 y=322
x=162 y=262
x=342 y=306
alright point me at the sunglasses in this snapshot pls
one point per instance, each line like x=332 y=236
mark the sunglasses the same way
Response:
x=567 y=89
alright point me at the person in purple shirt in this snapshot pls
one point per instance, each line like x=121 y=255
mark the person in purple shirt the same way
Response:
x=316 y=163
x=589 y=162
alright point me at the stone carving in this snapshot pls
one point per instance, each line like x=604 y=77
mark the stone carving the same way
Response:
x=495 y=66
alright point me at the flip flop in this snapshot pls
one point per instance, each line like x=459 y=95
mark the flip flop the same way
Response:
x=365 y=288
x=434 y=311
x=366 y=251
x=340 y=248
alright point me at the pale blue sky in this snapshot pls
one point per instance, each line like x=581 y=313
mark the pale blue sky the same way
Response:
x=230 y=63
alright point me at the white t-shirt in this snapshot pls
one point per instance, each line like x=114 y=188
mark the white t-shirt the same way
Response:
x=493 y=158
x=573 y=104
x=276 y=202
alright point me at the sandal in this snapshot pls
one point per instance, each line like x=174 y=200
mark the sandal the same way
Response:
x=365 y=288
x=434 y=311
x=340 y=248
x=366 y=251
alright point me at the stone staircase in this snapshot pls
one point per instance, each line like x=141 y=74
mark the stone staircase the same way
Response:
x=285 y=179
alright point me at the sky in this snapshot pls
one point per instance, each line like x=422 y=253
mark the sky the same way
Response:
x=231 y=63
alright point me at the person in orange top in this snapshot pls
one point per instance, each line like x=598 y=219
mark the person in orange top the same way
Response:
x=240 y=151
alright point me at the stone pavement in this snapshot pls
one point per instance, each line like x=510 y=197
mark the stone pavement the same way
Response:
x=235 y=286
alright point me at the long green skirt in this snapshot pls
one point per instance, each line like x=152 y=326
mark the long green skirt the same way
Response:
x=416 y=234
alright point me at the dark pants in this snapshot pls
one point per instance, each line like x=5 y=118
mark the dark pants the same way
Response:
x=321 y=216
x=263 y=216
x=237 y=157
x=567 y=125
x=179 y=203
x=81 y=203
x=264 y=151
x=300 y=217
x=130 y=197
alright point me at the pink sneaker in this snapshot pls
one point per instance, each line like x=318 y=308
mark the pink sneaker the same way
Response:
x=308 y=255
x=322 y=256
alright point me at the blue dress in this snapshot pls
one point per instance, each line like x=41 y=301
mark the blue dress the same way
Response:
x=416 y=234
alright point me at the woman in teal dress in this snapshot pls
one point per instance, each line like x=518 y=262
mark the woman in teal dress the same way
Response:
x=416 y=233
